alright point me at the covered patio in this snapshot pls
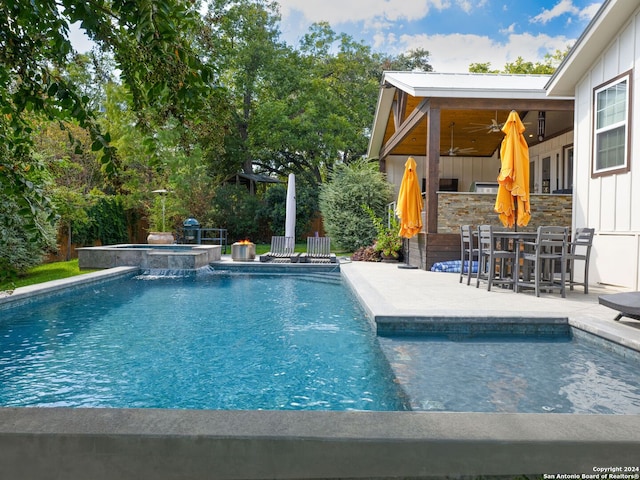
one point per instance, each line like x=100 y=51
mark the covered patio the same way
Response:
x=450 y=123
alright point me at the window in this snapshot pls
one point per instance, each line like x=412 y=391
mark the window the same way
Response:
x=611 y=126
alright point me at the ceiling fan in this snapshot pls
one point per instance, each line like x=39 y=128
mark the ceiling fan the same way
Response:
x=453 y=151
x=493 y=127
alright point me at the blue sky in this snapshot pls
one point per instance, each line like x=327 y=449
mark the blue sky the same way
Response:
x=455 y=32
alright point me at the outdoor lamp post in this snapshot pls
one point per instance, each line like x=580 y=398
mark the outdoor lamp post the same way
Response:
x=163 y=236
x=162 y=192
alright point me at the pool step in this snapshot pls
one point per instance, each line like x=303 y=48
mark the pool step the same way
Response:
x=460 y=328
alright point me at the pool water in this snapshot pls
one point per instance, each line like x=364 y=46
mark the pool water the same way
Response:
x=207 y=342
x=529 y=375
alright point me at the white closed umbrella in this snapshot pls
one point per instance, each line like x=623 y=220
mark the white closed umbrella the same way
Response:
x=290 y=218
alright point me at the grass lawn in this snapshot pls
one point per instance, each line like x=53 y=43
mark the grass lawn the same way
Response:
x=44 y=273
x=58 y=270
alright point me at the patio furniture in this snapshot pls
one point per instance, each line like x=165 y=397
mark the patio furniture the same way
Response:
x=627 y=303
x=469 y=254
x=318 y=251
x=492 y=260
x=542 y=256
x=281 y=251
x=579 y=249
x=193 y=233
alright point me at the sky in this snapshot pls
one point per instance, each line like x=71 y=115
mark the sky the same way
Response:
x=455 y=32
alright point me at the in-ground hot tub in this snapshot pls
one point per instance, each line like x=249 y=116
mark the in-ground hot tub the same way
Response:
x=164 y=257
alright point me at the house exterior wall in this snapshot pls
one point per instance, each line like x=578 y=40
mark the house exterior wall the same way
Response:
x=466 y=169
x=607 y=202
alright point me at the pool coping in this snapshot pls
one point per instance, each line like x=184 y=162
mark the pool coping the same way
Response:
x=168 y=444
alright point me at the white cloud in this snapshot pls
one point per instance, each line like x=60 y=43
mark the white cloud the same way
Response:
x=588 y=12
x=340 y=11
x=465 y=5
x=510 y=29
x=561 y=8
x=454 y=53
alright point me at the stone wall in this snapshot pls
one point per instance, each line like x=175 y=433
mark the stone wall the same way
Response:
x=455 y=209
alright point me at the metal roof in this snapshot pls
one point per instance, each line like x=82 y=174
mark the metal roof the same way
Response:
x=468 y=85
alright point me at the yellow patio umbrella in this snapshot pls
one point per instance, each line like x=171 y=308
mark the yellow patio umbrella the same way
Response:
x=512 y=201
x=409 y=205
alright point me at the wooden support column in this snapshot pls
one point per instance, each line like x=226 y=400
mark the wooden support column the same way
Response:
x=432 y=170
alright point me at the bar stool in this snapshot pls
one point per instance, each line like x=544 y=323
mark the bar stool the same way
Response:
x=580 y=249
x=492 y=260
x=468 y=252
x=549 y=250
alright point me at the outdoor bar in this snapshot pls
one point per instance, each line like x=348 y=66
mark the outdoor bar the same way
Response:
x=458 y=208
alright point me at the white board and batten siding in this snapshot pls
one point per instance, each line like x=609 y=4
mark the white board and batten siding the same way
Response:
x=610 y=203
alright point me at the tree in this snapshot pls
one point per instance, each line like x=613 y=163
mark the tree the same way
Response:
x=152 y=47
x=414 y=60
x=245 y=34
x=550 y=64
x=316 y=110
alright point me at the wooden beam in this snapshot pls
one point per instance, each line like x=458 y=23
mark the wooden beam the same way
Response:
x=399 y=107
x=408 y=125
x=432 y=170
x=503 y=104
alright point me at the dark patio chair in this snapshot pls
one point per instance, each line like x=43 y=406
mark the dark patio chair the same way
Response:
x=468 y=253
x=627 y=303
x=542 y=257
x=579 y=249
x=492 y=260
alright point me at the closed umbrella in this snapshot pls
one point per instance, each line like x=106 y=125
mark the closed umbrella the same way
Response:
x=409 y=204
x=512 y=201
x=290 y=213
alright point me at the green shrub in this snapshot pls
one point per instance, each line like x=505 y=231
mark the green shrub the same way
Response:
x=106 y=221
x=235 y=209
x=21 y=247
x=341 y=200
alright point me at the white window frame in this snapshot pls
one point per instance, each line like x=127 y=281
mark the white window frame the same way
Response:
x=624 y=166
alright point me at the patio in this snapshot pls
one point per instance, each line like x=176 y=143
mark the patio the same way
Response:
x=388 y=291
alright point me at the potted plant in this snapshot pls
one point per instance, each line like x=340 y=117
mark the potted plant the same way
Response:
x=388 y=242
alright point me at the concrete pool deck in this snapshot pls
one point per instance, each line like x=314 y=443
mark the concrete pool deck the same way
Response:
x=60 y=443
x=388 y=292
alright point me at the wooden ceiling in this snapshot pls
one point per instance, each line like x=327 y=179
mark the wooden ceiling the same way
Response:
x=472 y=135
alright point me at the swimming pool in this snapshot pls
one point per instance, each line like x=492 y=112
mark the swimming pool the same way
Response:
x=264 y=341
x=78 y=443
x=217 y=341
x=533 y=375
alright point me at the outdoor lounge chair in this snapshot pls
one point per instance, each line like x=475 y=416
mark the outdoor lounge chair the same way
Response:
x=318 y=251
x=281 y=251
x=627 y=303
